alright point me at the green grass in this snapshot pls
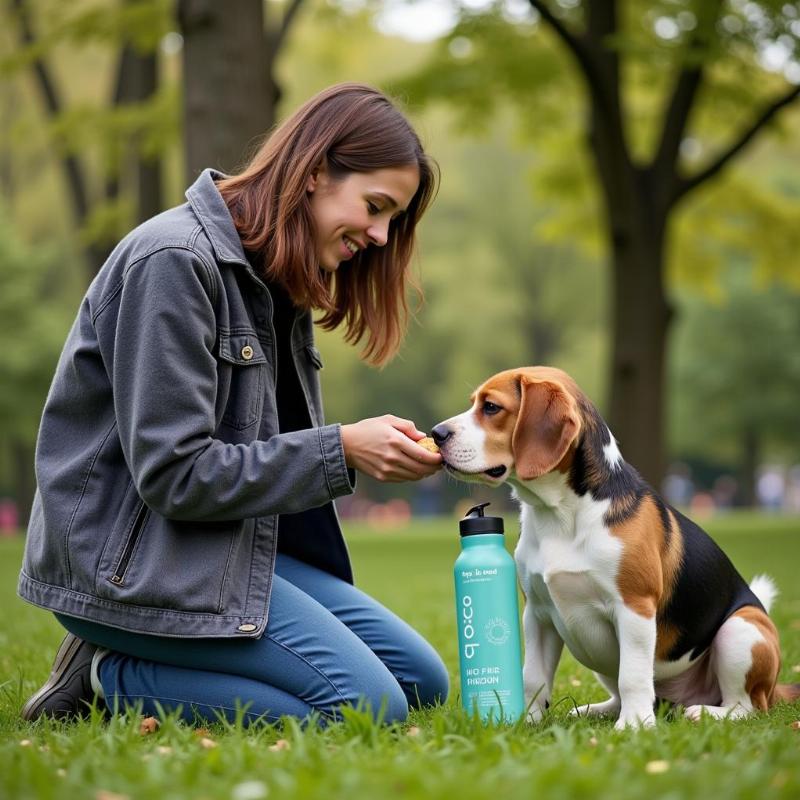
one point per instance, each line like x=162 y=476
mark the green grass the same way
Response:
x=439 y=753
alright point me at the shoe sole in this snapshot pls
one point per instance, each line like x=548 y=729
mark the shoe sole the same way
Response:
x=32 y=710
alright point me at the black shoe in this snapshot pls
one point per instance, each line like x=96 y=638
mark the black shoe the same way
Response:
x=68 y=691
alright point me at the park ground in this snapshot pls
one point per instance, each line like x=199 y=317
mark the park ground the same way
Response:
x=437 y=753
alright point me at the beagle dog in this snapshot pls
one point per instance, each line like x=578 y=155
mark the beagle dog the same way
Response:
x=639 y=593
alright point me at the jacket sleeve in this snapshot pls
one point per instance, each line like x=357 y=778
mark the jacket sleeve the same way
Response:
x=164 y=378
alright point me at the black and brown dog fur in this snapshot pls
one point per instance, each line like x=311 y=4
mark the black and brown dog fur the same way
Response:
x=670 y=568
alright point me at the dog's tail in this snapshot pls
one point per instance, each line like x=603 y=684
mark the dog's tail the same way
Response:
x=764 y=588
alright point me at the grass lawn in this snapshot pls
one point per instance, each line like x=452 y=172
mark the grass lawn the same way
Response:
x=439 y=753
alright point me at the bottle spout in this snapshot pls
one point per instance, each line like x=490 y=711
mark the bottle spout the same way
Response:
x=475 y=522
x=477 y=511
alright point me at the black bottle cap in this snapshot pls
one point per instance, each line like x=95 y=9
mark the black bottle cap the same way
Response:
x=474 y=522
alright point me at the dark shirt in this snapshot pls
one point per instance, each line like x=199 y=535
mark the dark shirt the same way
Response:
x=300 y=534
x=292 y=408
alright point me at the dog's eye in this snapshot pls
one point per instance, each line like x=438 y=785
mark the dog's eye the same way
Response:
x=490 y=408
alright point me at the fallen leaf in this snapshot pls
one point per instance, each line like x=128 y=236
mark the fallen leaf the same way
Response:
x=25 y=743
x=281 y=744
x=201 y=732
x=207 y=743
x=656 y=767
x=414 y=730
x=795 y=726
x=148 y=725
x=593 y=741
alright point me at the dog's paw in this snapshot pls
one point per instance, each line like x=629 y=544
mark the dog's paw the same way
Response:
x=634 y=720
x=610 y=706
x=694 y=713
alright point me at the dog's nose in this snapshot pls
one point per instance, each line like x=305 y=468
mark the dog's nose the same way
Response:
x=441 y=433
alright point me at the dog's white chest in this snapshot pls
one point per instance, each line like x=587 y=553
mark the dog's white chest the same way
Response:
x=569 y=579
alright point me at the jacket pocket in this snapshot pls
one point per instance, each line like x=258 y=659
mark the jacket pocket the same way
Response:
x=178 y=566
x=118 y=574
x=242 y=372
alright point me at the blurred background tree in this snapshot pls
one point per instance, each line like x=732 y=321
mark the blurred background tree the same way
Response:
x=736 y=376
x=230 y=89
x=661 y=97
x=513 y=253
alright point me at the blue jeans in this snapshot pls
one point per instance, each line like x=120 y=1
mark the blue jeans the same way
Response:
x=327 y=644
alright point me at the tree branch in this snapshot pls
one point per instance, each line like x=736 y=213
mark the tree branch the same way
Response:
x=685 y=185
x=573 y=42
x=286 y=23
x=676 y=117
x=679 y=106
x=589 y=52
x=70 y=162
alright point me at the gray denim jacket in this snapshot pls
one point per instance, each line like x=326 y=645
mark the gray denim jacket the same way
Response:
x=156 y=509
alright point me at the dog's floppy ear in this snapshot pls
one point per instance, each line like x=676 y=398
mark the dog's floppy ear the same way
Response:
x=546 y=426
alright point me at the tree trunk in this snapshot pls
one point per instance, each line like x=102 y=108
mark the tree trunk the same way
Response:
x=636 y=213
x=139 y=82
x=640 y=323
x=149 y=183
x=640 y=312
x=228 y=91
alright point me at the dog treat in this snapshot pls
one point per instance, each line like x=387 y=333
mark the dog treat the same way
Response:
x=429 y=444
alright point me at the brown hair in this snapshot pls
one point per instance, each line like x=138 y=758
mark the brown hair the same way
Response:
x=347 y=128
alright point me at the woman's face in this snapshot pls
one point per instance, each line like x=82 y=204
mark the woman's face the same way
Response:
x=354 y=212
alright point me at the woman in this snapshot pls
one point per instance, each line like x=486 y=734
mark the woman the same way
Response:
x=183 y=530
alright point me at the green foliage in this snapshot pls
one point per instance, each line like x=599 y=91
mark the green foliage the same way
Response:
x=489 y=59
x=80 y=45
x=746 y=377
x=33 y=324
x=141 y=23
x=439 y=753
x=492 y=59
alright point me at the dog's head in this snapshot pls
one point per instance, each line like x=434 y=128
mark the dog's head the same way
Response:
x=523 y=423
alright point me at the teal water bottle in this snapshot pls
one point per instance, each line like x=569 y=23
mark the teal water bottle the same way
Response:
x=487 y=611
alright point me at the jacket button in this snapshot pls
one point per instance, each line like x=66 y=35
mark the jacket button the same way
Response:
x=247 y=627
x=247 y=352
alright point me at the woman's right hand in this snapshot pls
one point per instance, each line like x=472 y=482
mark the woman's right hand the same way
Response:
x=386 y=448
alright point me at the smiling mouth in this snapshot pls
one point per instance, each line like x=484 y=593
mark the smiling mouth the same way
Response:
x=351 y=245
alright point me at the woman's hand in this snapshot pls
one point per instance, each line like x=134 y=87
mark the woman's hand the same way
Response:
x=386 y=448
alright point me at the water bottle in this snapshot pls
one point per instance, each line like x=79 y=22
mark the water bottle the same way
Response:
x=487 y=610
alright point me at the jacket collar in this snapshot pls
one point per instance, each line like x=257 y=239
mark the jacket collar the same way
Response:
x=210 y=209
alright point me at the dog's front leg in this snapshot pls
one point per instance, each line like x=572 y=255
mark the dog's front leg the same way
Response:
x=637 y=645
x=543 y=647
